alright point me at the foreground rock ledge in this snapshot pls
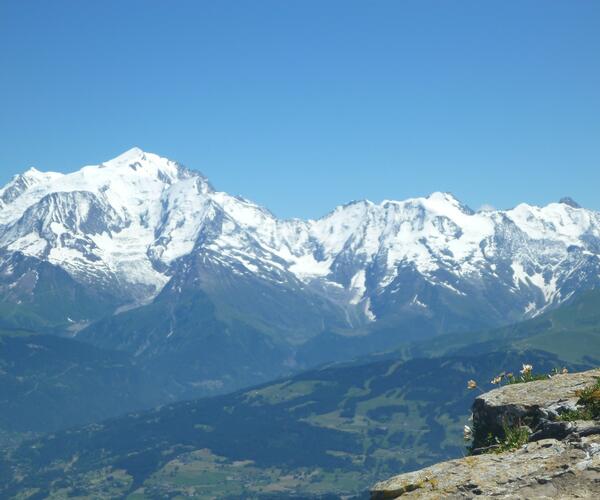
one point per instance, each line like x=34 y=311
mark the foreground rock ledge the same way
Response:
x=562 y=459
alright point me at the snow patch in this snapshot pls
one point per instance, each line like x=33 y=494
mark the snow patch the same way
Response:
x=307 y=266
x=357 y=287
x=416 y=302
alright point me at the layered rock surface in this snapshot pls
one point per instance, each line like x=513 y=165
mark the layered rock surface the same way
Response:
x=561 y=459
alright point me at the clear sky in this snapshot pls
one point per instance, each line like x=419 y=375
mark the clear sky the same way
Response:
x=303 y=105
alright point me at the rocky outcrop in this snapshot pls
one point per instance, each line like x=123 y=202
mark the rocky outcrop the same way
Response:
x=561 y=459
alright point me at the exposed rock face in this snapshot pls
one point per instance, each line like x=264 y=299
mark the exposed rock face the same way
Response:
x=535 y=404
x=548 y=468
x=561 y=459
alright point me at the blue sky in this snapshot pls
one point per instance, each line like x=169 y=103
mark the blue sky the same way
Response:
x=303 y=105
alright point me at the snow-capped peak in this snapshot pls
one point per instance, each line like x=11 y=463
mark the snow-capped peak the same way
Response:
x=32 y=172
x=129 y=219
x=134 y=156
x=138 y=188
x=130 y=155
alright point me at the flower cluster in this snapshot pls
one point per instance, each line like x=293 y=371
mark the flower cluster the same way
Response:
x=526 y=375
x=502 y=376
x=527 y=369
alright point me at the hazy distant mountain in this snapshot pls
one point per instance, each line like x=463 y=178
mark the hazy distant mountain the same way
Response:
x=145 y=237
x=49 y=383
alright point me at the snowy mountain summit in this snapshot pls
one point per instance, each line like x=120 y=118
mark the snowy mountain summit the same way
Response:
x=141 y=224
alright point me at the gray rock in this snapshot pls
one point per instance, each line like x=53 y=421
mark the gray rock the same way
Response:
x=561 y=460
x=548 y=468
x=567 y=200
x=532 y=404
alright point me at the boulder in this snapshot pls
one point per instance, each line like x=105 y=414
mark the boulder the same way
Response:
x=561 y=459
x=532 y=403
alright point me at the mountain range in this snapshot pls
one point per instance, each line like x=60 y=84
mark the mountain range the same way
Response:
x=141 y=254
x=327 y=354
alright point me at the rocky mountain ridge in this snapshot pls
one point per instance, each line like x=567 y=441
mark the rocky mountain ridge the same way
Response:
x=142 y=254
x=133 y=223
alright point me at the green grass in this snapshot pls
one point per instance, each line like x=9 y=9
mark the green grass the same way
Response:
x=283 y=392
x=526 y=376
x=203 y=474
x=514 y=437
x=530 y=377
x=589 y=404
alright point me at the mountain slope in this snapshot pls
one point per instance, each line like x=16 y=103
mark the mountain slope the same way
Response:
x=182 y=339
x=334 y=430
x=571 y=331
x=49 y=383
x=40 y=296
x=128 y=219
